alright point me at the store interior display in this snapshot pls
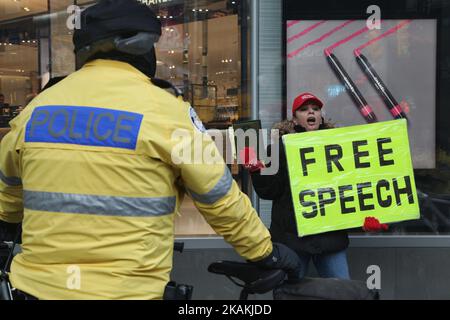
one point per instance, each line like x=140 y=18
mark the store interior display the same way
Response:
x=200 y=46
x=7 y=114
x=199 y=52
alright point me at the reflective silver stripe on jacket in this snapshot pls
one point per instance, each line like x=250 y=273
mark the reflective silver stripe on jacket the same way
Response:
x=99 y=205
x=10 y=181
x=218 y=192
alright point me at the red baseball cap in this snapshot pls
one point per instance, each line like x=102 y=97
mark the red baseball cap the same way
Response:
x=303 y=98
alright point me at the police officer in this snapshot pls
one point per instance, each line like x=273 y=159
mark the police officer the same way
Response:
x=88 y=167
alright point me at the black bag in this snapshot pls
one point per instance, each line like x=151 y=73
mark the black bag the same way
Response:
x=325 y=289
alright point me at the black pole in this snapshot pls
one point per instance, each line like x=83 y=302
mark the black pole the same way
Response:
x=394 y=108
x=356 y=95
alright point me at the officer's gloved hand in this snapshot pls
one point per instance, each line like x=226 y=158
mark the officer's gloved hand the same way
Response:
x=283 y=258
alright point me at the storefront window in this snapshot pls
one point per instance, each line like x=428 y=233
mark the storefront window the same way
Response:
x=409 y=51
x=199 y=52
x=204 y=51
x=19 y=53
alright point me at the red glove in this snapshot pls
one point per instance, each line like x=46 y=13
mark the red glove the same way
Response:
x=372 y=224
x=249 y=160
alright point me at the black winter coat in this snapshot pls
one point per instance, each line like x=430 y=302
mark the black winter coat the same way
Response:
x=283 y=227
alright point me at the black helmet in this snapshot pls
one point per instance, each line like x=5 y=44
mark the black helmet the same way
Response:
x=123 y=30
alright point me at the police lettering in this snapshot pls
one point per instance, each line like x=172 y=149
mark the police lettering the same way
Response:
x=350 y=197
x=84 y=126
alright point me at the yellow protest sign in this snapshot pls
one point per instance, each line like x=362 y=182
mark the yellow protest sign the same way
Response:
x=339 y=177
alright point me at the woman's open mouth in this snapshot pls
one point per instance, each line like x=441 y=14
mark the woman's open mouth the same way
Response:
x=311 y=121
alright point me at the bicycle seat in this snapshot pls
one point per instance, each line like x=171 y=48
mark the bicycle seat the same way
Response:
x=256 y=280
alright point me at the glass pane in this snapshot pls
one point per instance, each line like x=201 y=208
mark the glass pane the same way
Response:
x=12 y=9
x=199 y=52
x=410 y=53
x=20 y=46
x=62 y=56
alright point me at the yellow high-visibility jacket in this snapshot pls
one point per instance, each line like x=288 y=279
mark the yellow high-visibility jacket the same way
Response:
x=92 y=168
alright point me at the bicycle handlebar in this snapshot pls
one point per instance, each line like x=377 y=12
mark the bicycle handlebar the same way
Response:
x=254 y=278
